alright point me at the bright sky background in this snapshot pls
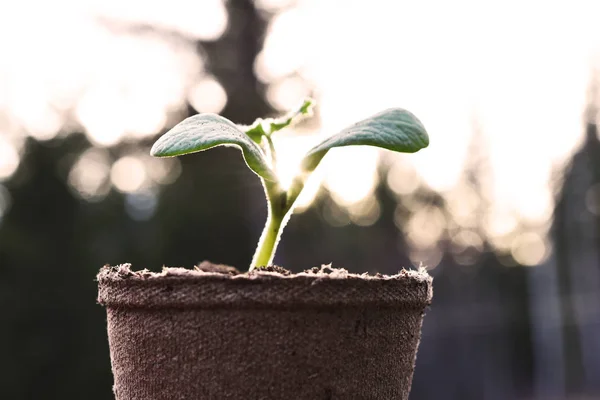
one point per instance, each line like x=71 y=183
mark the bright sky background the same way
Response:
x=520 y=69
x=516 y=70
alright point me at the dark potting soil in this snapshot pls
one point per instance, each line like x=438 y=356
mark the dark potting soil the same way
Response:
x=124 y=271
x=207 y=266
x=275 y=268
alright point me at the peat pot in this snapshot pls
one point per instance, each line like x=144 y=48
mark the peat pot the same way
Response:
x=214 y=333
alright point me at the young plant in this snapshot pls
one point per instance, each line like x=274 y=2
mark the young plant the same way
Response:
x=393 y=129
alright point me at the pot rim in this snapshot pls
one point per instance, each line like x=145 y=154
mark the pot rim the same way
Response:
x=180 y=288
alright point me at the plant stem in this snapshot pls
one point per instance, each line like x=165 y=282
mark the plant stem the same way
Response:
x=278 y=209
x=268 y=242
x=281 y=205
x=272 y=152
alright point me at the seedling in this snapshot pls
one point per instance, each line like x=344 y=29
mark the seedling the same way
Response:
x=393 y=129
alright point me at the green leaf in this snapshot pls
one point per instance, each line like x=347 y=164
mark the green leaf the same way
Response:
x=255 y=131
x=393 y=129
x=305 y=109
x=267 y=126
x=204 y=131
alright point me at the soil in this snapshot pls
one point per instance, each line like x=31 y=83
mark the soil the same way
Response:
x=124 y=271
x=275 y=268
x=207 y=266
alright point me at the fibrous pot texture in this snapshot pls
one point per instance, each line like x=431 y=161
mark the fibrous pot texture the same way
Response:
x=326 y=334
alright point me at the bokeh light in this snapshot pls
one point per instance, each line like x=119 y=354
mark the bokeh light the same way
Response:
x=335 y=215
x=9 y=158
x=365 y=212
x=463 y=204
x=128 y=174
x=141 y=205
x=113 y=79
x=524 y=145
x=201 y=20
x=129 y=83
x=163 y=171
x=425 y=227
x=208 y=96
x=350 y=181
x=291 y=148
x=273 y=5
x=466 y=247
x=428 y=258
x=507 y=181
x=89 y=175
x=402 y=178
x=285 y=93
x=529 y=249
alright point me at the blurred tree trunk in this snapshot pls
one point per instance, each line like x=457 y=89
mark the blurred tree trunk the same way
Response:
x=578 y=256
x=231 y=61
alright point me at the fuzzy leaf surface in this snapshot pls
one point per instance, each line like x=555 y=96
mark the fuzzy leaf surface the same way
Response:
x=393 y=129
x=204 y=131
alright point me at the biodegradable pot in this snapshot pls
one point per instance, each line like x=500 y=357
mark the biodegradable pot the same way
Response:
x=185 y=334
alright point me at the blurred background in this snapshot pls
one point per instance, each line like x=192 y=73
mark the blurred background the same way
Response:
x=503 y=207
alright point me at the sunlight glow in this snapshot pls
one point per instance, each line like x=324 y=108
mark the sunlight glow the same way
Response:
x=536 y=206
x=366 y=212
x=402 y=178
x=500 y=222
x=350 y=173
x=310 y=191
x=134 y=100
x=113 y=82
x=291 y=148
x=273 y=5
x=200 y=20
x=163 y=171
x=9 y=159
x=465 y=239
x=525 y=87
x=529 y=249
x=428 y=258
x=93 y=112
x=89 y=175
x=33 y=111
x=284 y=94
x=334 y=215
x=128 y=174
x=287 y=45
x=470 y=71
x=425 y=227
x=208 y=96
x=463 y=203
x=503 y=243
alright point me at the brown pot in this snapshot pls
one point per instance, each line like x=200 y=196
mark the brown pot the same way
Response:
x=193 y=335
